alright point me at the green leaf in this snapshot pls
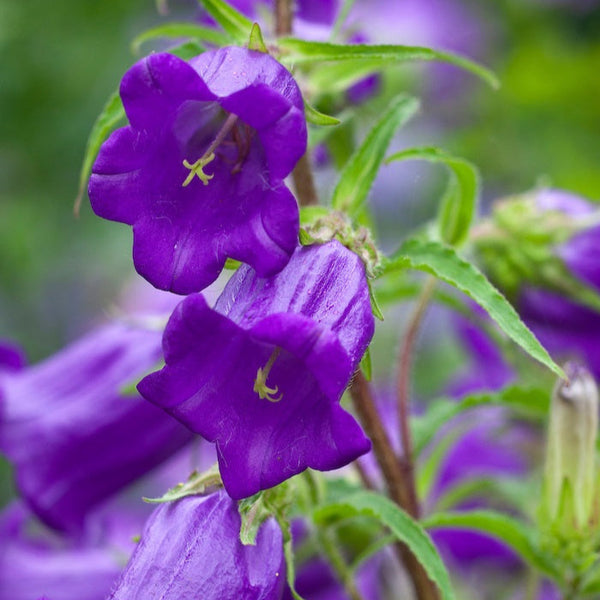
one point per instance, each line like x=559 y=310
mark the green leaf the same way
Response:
x=445 y=264
x=298 y=51
x=531 y=400
x=257 y=41
x=180 y=30
x=359 y=172
x=233 y=22
x=112 y=114
x=517 y=535
x=458 y=205
x=196 y=484
x=400 y=524
x=334 y=77
x=318 y=118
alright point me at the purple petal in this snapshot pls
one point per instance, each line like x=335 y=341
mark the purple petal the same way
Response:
x=184 y=233
x=317 y=312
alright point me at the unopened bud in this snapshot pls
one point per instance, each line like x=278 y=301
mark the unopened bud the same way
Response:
x=571 y=452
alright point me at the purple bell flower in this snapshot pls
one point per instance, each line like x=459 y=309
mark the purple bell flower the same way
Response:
x=199 y=171
x=73 y=437
x=12 y=358
x=286 y=346
x=191 y=549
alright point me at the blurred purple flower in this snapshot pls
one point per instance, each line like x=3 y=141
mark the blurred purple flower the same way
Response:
x=566 y=328
x=72 y=435
x=199 y=171
x=191 y=549
x=35 y=566
x=12 y=358
x=286 y=346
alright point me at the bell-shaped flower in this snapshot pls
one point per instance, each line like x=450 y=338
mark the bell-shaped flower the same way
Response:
x=262 y=373
x=199 y=171
x=191 y=549
x=73 y=436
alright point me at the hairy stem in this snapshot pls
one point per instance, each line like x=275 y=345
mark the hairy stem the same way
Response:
x=403 y=387
x=394 y=477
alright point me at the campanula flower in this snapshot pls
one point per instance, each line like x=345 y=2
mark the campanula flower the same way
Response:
x=199 y=171
x=73 y=437
x=191 y=549
x=262 y=374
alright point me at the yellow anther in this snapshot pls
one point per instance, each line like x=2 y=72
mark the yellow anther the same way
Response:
x=197 y=168
x=260 y=383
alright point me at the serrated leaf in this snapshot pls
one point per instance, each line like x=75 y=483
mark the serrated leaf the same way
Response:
x=257 y=41
x=111 y=115
x=232 y=21
x=180 y=30
x=318 y=118
x=532 y=400
x=401 y=525
x=517 y=535
x=458 y=206
x=445 y=264
x=359 y=172
x=298 y=51
x=196 y=484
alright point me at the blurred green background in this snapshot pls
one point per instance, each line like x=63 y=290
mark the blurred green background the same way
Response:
x=60 y=60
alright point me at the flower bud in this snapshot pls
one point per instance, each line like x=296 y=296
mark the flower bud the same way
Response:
x=571 y=451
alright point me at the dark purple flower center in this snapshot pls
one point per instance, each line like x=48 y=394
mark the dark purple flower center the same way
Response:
x=231 y=144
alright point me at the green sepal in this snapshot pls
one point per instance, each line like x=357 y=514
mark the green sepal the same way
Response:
x=377 y=313
x=232 y=21
x=318 y=118
x=256 y=509
x=181 y=30
x=366 y=365
x=256 y=41
x=196 y=485
x=459 y=201
x=310 y=214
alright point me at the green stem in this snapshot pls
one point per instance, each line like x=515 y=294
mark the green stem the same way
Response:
x=329 y=548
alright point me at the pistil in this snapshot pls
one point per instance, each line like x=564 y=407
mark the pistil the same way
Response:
x=260 y=383
x=197 y=168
